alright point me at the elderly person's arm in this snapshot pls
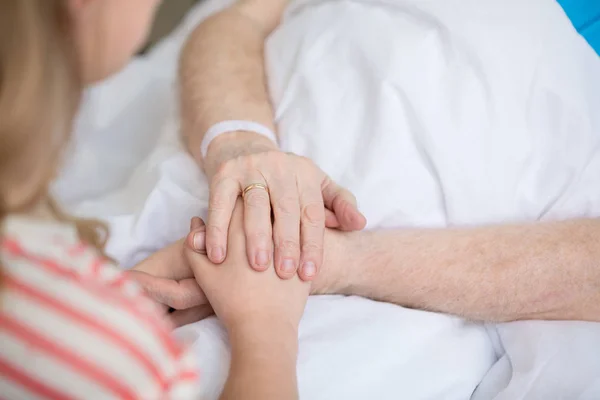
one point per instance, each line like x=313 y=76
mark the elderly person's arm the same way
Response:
x=222 y=78
x=548 y=271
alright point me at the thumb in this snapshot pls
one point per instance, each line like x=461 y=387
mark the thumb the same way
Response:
x=197 y=236
x=343 y=205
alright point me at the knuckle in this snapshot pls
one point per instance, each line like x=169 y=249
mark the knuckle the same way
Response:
x=259 y=237
x=312 y=247
x=348 y=195
x=251 y=161
x=257 y=198
x=289 y=246
x=221 y=172
x=277 y=155
x=279 y=160
x=214 y=232
x=221 y=198
x=314 y=214
x=218 y=201
x=265 y=157
x=225 y=169
x=287 y=205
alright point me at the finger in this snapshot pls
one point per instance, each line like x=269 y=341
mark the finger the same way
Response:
x=237 y=236
x=195 y=239
x=184 y=294
x=198 y=231
x=331 y=220
x=201 y=267
x=223 y=194
x=168 y=262
x=162 y=308
x=257 y=225
x=196 y=223
x=312 y=231
x=176 y=294
x=343 y=205
x=286 y=228
x=190 y=315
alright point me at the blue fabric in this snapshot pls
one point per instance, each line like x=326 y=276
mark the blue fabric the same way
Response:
x=585 y=15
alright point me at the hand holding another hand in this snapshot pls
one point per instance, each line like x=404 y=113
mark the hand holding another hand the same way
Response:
x=240 y=296
x=300 y=197
x=167 y=276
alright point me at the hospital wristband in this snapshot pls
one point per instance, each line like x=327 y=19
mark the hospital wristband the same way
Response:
x=233 y=126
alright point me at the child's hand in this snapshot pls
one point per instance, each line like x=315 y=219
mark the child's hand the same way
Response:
x=246 y=301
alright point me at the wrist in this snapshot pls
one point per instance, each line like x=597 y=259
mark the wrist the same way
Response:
x=340 y=260
x=256 y=336
x=231 y=145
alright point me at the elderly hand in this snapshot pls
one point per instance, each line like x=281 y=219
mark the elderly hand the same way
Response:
x=293 y=191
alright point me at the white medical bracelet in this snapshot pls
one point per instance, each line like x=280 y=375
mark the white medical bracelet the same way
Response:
x=232 y=126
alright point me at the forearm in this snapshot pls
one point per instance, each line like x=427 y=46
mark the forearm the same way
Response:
x=263 y=366
x=500 y=273
x=222 y=75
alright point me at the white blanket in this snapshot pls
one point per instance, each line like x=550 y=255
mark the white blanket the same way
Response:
x=433 y=113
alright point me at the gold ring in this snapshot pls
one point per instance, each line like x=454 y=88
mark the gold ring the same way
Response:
x=255 y=186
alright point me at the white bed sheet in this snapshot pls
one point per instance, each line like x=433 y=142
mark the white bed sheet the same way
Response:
x=433 y=113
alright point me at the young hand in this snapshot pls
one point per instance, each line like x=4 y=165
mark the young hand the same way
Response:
x=167 y=278
x=244 y=299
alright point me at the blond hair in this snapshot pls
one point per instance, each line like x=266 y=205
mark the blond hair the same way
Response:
x=40 y=90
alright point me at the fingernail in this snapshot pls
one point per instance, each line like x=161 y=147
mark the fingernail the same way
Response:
x=309 y=269
x=199 y=243
x=288 y=265
x=262 y=258
x=216 y=254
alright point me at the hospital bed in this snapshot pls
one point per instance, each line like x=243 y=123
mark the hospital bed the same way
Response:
x=451 y=112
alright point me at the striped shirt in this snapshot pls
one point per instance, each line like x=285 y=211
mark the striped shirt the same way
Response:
x=72 y=326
